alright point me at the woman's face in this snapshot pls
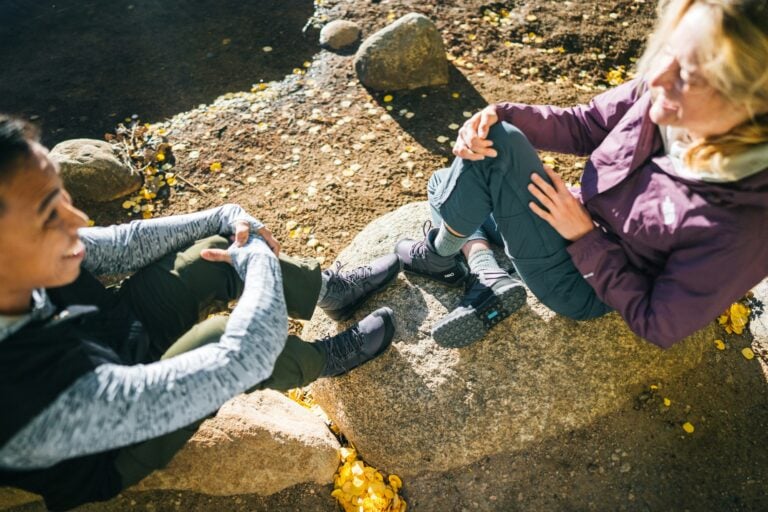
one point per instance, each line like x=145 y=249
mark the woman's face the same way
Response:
x=682 y=97
x=38 y=228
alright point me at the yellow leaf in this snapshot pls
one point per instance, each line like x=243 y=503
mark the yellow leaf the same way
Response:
x=455 y=95
x=667 y=402
x=747 y=353
x=688 y=427
x=388 y=98
x=719 y=345
x=160 y=157
x=215 y=167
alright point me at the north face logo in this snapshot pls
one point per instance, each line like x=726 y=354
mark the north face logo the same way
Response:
x=450 y=275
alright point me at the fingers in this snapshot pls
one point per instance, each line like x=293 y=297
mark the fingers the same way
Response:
x=270 y=239
x=487 y=119
x=472 y=142
x=541 y=212
x=216 y=255
x=541 y=185
x=274 y=245
x=242 y=231
x=556 y=179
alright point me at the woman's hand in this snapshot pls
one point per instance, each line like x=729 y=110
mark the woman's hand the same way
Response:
x=561 y=209
x=472 y=142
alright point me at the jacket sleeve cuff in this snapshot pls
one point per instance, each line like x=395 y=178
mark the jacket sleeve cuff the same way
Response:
x=585 y=251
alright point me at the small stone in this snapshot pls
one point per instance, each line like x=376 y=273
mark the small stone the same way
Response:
x=339 y=34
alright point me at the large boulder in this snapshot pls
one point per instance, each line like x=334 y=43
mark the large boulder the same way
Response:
x=260 y=443
x=407 y=54
x=262 y=447
x=421 y=408
x=339 y=34
x=91 y=171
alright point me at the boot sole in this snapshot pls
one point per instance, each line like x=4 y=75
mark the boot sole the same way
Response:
x=464 y=328
x=346 y=312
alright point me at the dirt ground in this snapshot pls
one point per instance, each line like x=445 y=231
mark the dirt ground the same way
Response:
x=317 y=157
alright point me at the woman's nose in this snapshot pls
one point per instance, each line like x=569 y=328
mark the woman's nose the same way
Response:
x=663 y=74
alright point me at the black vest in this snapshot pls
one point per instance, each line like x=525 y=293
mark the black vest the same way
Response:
x=91 y=327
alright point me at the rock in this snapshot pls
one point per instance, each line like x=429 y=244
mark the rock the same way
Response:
x=407 y=54
x=423 y=409
x=91 y=171
x=339 y=34
x=260 y=443
x=759 y=326
x=11 y=498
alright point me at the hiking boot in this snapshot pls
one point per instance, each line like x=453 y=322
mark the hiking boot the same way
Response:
x=360 y=343
x=346 y=291
x=421 y=258
x=489 y=298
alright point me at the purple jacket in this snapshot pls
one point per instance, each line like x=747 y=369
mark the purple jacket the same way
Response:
x=672 y=254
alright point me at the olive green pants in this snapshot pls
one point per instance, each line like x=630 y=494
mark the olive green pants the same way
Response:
x=174 y=298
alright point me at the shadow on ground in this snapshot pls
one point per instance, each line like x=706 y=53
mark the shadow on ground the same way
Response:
x=434 y=110
x=79 y=67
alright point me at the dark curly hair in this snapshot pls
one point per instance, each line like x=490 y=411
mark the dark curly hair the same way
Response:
x=16 y=136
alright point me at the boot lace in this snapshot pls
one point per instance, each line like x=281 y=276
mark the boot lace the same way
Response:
x=419 y=249
x=341 y=346
x=340 y=282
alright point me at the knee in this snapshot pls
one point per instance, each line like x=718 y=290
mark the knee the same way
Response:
x=214 y=242
x=506 y=136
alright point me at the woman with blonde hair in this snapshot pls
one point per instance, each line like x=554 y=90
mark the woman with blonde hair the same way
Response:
x=670 y=224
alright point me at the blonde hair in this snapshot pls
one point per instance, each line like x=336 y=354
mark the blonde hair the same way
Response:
x=735 y=64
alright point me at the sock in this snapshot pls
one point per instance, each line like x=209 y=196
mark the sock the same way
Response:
x=324 y=276
x=483 y=260
x=446 y=243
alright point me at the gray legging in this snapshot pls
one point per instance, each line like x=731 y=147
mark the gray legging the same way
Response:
x=489 y=199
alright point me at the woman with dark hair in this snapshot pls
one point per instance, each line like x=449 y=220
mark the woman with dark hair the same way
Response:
x=100 y=386
x=669 y=225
